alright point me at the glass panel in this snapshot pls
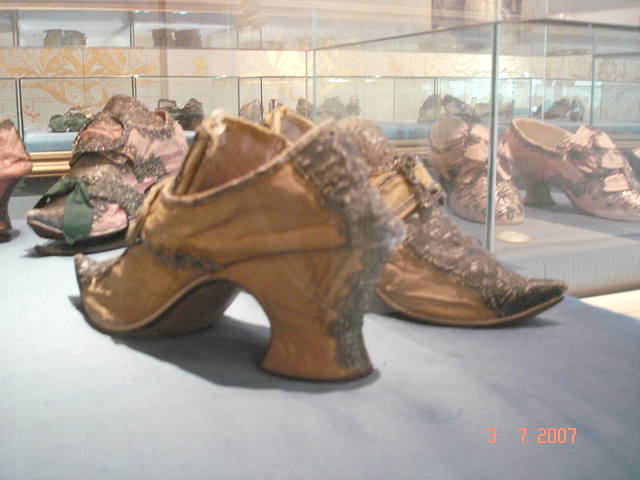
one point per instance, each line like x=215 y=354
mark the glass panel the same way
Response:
x=212 y=92
x=8 y=101
x=185 y=29
x=56 y=28
x=6 y=28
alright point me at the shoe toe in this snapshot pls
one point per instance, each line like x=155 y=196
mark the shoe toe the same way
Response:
x=47 y=221
x=87 y=269
x=538 y=295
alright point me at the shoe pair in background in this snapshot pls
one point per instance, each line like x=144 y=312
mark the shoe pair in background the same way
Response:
x=585 y=165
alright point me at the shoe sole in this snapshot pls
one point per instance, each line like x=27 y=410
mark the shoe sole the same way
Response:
x=475 y=323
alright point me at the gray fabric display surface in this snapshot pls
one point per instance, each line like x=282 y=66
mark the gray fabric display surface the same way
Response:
x=442 y=403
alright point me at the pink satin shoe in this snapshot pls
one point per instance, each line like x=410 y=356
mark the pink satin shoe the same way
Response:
x=586 y=166
x=458 y=152
x=117 y=156
x=14 y=164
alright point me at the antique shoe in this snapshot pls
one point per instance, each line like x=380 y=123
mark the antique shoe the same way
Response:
x=353 y=107
x=459 y=152
x=252 y=111
x=74 y=38
x=191 y=115
x=304 y=108
x=163 y=37
x=332 y=108
x=439 y=274
x=577 y=110
x=431 y=109
x=170 y=106
x=76 y=121
x=482 y=109
x=553 y=110
x=53 y=38
x=188 y=38
x=14 y=164
x=117 y=156
x=454 y=107
x=59 y=123
x=586 y=166
x=298 y=226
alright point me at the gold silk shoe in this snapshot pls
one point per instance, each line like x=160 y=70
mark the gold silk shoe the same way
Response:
x=296 y=225
x=438 y=274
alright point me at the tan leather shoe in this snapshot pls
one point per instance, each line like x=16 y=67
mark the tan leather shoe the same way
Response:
x=586 y=166
x=459 y=152
x=15 y=163
x=297 y=226
x=438 y=274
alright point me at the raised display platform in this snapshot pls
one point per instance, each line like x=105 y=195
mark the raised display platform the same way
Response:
x=442 y=402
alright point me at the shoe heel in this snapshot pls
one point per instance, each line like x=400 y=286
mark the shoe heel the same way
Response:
x=315 y=302
x=538 y=193
x=6 y=188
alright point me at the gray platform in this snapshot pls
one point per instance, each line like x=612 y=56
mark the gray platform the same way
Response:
x=77 y=404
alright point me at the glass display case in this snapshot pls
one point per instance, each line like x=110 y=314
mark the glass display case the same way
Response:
x=562 y=73
x=558 y=77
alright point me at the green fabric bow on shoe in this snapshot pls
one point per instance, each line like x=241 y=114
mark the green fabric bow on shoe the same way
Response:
x=78 y=213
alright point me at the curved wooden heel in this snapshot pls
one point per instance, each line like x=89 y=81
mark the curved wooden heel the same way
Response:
x=315 y=302
x=539 y=193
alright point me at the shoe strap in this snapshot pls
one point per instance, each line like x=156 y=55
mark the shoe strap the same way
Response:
x=408 y=186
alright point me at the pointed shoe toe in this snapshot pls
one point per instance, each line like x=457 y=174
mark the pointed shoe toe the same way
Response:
x=536 y=296
x=296 y=225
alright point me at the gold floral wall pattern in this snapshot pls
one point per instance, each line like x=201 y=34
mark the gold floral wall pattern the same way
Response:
x=41 y=62
x=121 y=61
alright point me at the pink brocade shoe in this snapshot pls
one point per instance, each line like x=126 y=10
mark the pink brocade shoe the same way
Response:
x=459 y=152
x=586 y=166
x=116 y=158
x=14 y=164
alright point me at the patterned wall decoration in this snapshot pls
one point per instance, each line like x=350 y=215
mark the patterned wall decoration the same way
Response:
x=121 y=61
x=41 y=62
x=42 y=98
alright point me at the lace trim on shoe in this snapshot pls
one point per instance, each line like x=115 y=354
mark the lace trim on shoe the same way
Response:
x=329 y=164
x=381 y=157
x=426 y=195
x=434 y=237
x=372 y=143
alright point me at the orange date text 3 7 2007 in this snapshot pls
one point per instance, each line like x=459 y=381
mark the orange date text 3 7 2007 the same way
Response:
x=543 y=435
